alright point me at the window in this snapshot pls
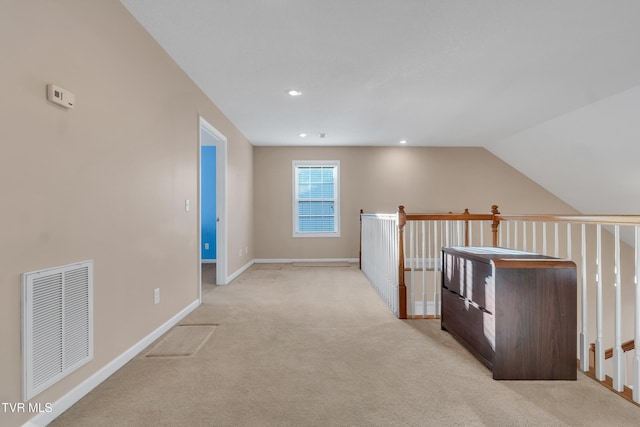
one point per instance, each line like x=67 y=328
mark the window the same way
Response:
x=316 y=199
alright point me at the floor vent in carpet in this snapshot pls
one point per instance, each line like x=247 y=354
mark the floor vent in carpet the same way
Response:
x=182 y=341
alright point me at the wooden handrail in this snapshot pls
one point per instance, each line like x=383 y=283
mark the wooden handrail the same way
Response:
x=450 y=216
x=496 y=217
x=378 y=216
x=466 y=216
x=582 y=219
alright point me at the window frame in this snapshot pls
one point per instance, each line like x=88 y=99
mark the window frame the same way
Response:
x=296 y=165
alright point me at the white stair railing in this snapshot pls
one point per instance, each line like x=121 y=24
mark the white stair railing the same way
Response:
x=424 y=240
x=607 y=264
x=379 y=255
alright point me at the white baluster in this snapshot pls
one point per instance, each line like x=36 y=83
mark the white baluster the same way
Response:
x=424 y=268
x=584 y=336
x=556 y=242
x=386 y=241
x=599 y=350
x=636 y=358
x=508 y=224
x=393 y=289
x=436 y=254
x=619 y=362
x=446 y=230
x=412 y=265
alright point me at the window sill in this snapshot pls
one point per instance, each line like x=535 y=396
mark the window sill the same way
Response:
x=296 y=235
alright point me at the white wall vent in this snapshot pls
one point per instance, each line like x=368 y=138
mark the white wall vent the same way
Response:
x=57 y=324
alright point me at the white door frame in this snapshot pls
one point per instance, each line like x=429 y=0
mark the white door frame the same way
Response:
x=221 y=203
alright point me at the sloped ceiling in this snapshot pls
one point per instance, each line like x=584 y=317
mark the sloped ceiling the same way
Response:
x=434 y=73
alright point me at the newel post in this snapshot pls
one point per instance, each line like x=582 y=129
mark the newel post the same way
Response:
x=466 y=228
x=495 y=224
x=402 y=288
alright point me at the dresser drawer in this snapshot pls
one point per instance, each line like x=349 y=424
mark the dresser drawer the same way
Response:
x=469 y=325
x=467 y=278
x=478 y=277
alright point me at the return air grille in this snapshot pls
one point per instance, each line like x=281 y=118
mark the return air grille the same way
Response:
x=57 y=324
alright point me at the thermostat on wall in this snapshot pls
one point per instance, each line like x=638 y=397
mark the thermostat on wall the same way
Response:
x=60 y=96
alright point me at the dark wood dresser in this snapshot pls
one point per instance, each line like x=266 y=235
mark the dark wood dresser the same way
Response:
x=515 y=311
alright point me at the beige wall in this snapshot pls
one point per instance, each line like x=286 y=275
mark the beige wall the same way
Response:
x=378 y=179
x=105 y=181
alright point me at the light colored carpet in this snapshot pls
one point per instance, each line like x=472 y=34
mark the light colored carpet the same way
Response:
x=317 y=347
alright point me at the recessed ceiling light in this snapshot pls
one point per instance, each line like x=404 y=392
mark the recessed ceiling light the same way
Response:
x=404 y=141
x=302 y=135
x=293 y=92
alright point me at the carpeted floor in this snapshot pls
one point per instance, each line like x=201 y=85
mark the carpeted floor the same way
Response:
x=305 y=346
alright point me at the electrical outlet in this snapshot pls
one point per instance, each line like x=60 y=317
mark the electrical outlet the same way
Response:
x=156 y=295
x=240 y=252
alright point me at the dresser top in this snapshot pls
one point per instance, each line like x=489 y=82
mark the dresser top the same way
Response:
x=507 y=258
x=489 y=250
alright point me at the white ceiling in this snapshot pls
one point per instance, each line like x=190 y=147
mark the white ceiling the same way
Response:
x=373 y=72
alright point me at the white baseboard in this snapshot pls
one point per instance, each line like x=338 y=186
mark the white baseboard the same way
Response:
x=208 y=261
x=289 y=261
x=240 y=271
x=78 y=392
x=284 y=261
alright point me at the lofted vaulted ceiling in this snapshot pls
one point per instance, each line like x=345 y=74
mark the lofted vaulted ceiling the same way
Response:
x=374 y=72
x=550 y=86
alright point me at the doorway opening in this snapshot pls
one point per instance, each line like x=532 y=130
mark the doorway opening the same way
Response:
x=212 y=228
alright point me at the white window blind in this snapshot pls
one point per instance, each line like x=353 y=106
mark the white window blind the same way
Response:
x=316 y=202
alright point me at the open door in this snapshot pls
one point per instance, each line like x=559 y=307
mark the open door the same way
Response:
x=212 y=225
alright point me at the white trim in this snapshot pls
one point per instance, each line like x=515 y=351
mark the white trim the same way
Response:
x=240 y=271
x=294 y=205
x=208 y=261
x=78 y=392
x=221 y=203
x=291 y=260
